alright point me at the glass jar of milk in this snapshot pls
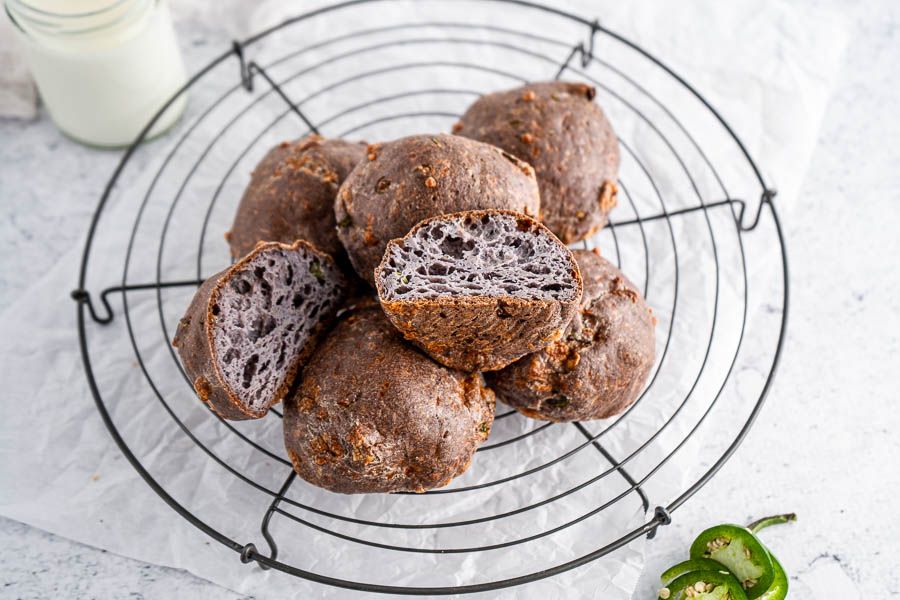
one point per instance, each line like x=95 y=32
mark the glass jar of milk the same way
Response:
x=104 y=68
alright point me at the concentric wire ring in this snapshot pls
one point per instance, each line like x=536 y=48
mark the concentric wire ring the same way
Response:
x=279 y=497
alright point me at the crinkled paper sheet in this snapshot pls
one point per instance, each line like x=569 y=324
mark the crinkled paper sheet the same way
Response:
x=61 y=471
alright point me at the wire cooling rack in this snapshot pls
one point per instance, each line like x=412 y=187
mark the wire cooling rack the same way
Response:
x=696 y=229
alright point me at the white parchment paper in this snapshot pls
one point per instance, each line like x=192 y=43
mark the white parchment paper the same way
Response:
x=60 y=470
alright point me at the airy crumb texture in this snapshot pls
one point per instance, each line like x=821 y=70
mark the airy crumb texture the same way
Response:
x=423 y=176
x=373 y=414
x=476 y=290
x=561 y=131
x=250 y=327
x=265 y=315
x=598 y=368
x=491 y=255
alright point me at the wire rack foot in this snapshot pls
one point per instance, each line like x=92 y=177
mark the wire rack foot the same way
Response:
x=267 y=518
x=579 y=49
x=82 y=296
x=249 y=68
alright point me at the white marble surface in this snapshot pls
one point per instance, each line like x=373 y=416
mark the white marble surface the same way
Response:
x=822 y=446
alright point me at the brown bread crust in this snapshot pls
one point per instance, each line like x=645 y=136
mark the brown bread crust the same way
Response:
x=291 y=195
x=373 y=414
x=194 y=342
x=558 y=128
x=422 y=176
x=478 y=333
x=598 y=369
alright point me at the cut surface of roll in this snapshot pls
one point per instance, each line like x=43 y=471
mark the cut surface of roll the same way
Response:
x=249 y=328
x=478 y=289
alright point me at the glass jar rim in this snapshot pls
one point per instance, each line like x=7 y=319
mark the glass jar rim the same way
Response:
x=29 y=18
x=26 y=8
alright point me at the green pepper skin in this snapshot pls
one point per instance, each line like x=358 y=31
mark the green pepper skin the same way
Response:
x=717 y=578
x=779 y=588
x=758 y=566
x=689 y=566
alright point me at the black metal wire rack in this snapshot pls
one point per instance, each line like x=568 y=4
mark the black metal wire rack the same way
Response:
x=697 y=229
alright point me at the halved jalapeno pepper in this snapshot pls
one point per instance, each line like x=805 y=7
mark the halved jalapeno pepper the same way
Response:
x=741 y=553
x=704 y=585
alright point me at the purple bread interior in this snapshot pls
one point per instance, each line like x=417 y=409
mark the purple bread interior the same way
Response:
x=265 y=315
x=488 y=255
